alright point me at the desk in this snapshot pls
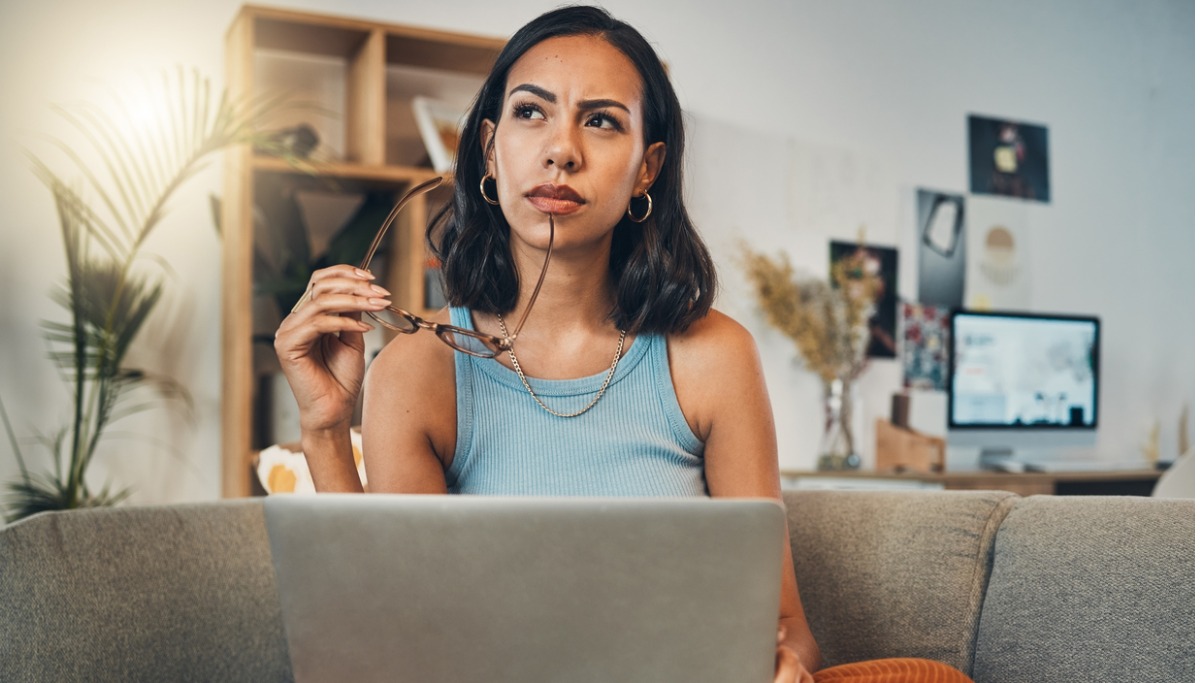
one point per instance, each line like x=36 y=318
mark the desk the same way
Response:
x=1100 y=482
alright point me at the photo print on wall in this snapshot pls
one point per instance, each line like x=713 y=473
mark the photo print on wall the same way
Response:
x=998 y=253
x=1009 y=158
x=881 y=264
x=941 y=248
x=926 y=331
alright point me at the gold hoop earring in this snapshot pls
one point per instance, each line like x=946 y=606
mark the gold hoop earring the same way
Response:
x=483 y=190
x=649 y=208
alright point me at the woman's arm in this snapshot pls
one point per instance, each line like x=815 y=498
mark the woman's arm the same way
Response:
x=409 y=416
x=719 y=382
x=320 y=348
x=409 y=404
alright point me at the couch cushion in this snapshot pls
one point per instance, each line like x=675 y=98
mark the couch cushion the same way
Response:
x=1091 y=589
x=141 y=594
x=894 y=573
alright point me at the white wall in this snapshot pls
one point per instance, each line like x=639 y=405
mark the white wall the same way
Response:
x=878 y=90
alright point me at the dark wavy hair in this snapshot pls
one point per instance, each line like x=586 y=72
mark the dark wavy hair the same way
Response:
x=664 y=276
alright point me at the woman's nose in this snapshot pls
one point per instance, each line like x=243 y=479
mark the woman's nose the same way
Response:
x=562 y=150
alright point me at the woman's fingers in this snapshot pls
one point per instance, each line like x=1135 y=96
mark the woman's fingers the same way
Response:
x=320 y=342
x=334 y=303
x=296 y=341
x=330 y=296
x=788 y=668
x=341 y=281
x=337 y=304
x=334 y=324
x=314 y=325
x=342 y=271
x=336 y=315
x=343 y=286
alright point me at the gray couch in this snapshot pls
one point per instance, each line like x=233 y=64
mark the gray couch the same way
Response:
x=1007 y=589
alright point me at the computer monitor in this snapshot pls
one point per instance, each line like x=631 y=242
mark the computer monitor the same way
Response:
x=1021 y=384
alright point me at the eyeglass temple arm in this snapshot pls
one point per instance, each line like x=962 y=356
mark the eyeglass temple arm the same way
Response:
x=538 y=287
x=387 y=222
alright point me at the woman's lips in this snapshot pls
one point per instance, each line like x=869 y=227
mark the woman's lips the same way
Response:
x=555 y=199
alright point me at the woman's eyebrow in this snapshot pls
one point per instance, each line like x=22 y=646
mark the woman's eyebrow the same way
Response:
x=603 y=104
x=538 y=91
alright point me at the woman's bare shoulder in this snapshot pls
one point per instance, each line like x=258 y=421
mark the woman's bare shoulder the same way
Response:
x=410 y=357
x=714 y=361
x=410 y=391
x=714 y=336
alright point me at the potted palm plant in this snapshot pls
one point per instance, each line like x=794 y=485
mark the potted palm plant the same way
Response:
x=111 y=199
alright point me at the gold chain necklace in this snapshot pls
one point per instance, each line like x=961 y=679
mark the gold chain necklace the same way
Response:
x=608 y=378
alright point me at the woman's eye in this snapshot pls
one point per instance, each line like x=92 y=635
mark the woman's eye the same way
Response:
x=527 y=111
x=603 y=121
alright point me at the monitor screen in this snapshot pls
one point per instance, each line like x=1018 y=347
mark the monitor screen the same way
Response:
x=1023 y=371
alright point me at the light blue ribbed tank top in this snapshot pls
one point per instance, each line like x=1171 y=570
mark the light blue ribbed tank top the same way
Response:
x=634 y=442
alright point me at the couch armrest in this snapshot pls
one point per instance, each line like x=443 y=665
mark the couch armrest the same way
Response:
x=894 y=573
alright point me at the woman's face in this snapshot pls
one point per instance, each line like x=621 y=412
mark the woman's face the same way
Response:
x=569 y=140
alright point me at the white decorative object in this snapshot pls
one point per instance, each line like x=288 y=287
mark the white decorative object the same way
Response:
x=283 y=470
x=1179 y=481
x=998 y=254
x=441 y=127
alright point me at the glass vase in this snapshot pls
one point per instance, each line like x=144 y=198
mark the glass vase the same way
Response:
x=838 y=448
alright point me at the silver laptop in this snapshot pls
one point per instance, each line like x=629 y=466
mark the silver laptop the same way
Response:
x=456 y=589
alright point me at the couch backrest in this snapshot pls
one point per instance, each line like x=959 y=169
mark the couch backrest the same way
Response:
x=180 y=593
x=1091 y=589
x=1080 y=589
x=894 y=574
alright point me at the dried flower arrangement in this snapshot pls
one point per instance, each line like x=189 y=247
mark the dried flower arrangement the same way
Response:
x=827 y=323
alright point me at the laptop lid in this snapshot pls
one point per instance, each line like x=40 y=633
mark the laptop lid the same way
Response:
x=473 y=588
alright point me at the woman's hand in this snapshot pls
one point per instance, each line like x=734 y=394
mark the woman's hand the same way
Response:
x=788 y=668
x=320 y=345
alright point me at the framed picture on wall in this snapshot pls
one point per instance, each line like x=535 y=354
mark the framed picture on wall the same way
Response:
x=941 y=248
x=1009 y=158
x=926 y=341
x=999 y=254
x=880 y=263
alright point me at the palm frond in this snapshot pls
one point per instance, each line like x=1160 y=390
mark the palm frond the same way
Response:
x=71 y=208
x=107 y=497
x=39 y=494
x=107 y=298
x=97 y=130
x=12 y=441
x=131 y=383
x=48 y=494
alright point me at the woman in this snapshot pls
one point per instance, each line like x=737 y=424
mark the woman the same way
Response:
x=573 y=149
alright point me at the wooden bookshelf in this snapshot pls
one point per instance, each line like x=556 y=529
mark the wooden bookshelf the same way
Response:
x=359 y=77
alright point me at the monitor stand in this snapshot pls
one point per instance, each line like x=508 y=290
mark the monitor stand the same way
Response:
x=1000 y=460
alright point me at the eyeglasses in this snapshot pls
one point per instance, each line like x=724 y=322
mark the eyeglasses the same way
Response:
x=458 y=338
